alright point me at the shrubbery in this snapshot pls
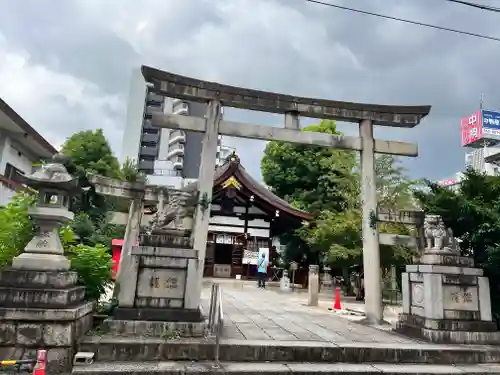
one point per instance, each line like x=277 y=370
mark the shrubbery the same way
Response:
x=16 y=229
x=93 y=265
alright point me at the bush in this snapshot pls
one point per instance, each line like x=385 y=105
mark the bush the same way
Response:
x=16 y=229
x=93 y=265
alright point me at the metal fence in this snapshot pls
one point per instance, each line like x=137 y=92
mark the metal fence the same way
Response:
x=216 y=319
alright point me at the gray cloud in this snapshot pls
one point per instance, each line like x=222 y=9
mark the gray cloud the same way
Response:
x=84 y=51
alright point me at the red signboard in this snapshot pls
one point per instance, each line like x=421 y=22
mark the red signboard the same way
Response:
x=471 y=128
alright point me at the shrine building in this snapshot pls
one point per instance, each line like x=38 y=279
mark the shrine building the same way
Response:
x=244 y=218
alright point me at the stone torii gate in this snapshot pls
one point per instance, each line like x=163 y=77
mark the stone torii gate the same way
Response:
x=366 y=115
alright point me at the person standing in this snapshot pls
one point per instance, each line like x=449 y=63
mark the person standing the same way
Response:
x=262 y=271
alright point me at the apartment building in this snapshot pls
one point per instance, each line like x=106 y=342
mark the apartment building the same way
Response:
x=21 y=146
x=169 y=157
x=184 y=148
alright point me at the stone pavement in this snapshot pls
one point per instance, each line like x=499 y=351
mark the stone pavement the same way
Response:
x=255 y=314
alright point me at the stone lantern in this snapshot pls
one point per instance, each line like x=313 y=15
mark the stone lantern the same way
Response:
x=55 y=187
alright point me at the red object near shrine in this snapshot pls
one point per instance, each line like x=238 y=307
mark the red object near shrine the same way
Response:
x=337 y=305
x=41 y=361
x=116 y=246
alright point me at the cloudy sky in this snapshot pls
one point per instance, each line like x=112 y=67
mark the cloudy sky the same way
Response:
x=65 y=65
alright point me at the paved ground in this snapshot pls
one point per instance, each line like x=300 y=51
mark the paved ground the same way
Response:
x=254 y=314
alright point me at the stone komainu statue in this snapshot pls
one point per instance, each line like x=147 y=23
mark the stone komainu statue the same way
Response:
x=172 y=209
x=437 y=236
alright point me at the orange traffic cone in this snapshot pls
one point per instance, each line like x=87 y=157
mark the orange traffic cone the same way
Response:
x=336 y=305
x=41 y=361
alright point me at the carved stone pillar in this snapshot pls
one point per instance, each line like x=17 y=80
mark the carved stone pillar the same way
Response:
x=313 y=291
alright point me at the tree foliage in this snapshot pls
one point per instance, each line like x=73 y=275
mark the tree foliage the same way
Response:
x=93 y=265
x=16 y=229
x=130 y=172
x=89 y=152
x=311 y=177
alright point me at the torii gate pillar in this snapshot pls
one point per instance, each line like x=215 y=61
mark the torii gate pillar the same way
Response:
x=371 y=250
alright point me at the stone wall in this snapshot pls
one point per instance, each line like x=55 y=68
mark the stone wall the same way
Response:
x=31 y=318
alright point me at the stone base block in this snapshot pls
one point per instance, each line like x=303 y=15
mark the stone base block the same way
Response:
x=154 y=329
x=438 y=258
x=44 y=262
x=447 y=324
x=23 y=331
x=159 y=315
x=37 y=279
x=447 y=331
x=41 y=298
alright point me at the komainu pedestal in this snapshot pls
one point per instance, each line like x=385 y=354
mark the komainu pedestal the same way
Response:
x=156 y=292
x=445 y=298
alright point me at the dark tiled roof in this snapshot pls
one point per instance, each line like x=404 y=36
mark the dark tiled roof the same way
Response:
x=232 y=167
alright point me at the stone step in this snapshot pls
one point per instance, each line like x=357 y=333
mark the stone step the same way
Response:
x=112 y=348
x=250 y=368
x=153 y=329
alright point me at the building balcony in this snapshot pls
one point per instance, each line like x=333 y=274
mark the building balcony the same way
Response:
x=175 y=150
x=148 y=151
x=181 y=108
x=150 y=110
x=148 y=127
x=178 y=163
x=147 y=166
x=176 y=101
x=493 y=159
x=177 y=136
x=150 y=137
x=167 y=172
x=155 y=99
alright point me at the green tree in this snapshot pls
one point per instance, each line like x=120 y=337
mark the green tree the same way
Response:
x=16 y=229
x=394 y=187
x=89 y=152
x=313 y=178
x=472 y=212
x=93 y=265
x=130 y=172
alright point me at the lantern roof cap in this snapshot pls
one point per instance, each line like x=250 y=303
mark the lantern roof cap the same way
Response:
x=52 y=175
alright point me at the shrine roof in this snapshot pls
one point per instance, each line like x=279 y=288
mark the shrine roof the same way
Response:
x=233 y=168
